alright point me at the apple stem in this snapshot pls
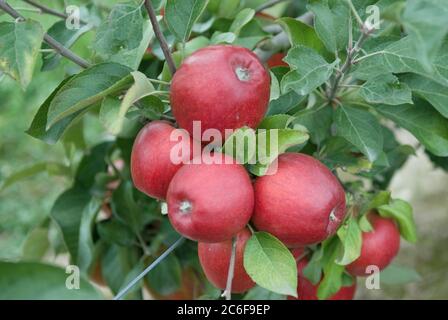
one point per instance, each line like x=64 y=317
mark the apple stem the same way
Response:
x=159 y=35
x=228 y=291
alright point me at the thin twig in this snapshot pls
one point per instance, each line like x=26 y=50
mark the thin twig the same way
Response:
x=47 y=10
x=63 y=51
x=228 y=291
x=268 y=5
x=351 y=54
x=159 y=35
x=123 y=292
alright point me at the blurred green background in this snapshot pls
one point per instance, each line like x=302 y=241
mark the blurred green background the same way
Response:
x=26 y=205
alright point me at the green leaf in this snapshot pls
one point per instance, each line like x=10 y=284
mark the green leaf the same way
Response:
x=278 y=121
x=33 y=170
x=259 y=293
x=35 y=245
x=67 y=212
x=284 y=103
x=331 y=22
x=313 y=270
x=133 y=57
x=49 y=283
x=433 y=92
x=85 y=245
x=300 y=33
x=317 y=120
x=333 y=272
x=425 y=123
x=270 y=264
x=399 y=57
x=121 y=31
x=282 y=140
x=20 y=46
x=87 y=88
x=38 y=128
x=113 y=117
x=65 y=36
x=275 y=87
x=91 y=164
x=242 y=18
x=126 y=208
x=398 y=275
x=426 y=23
x=115 y=232
x=401 y=211
x=116 y=263
x=360 y=128
x=222 y=37
x=309 y=70
x=166 y=278
x=386 y=89
x=241 y=145
x=351 y=238
x=181 y=15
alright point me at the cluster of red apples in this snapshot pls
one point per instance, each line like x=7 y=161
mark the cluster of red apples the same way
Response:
x=302 y=203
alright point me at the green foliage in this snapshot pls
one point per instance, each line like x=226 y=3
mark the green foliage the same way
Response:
x=397 y=78
x=270 y=264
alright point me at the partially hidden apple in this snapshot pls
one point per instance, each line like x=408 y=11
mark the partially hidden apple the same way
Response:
x=223 y=87
x=210 y=202
x=379 y=246
x=152 y=165
x=215 y=261
x=301 y=203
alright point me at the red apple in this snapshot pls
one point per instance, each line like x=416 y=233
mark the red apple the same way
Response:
x=306 y=290
x=379 y=246
x=210 y=202
x=215 y=260
x=151 y=165
x=301 y=203
x=224 y=87
x=277 y=61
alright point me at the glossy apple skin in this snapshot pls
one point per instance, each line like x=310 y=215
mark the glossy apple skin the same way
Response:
x=277 y=61
x=306 y=290
x=219 y=200
x=206 y=88
x=301 y=203
x=215 y=260
x=379 y=247
x=151 y=165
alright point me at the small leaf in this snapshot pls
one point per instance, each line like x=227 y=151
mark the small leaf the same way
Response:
x=333 y=272
x=300 y=33
x=309 y=70
x=433 y=92
x=426 y=23
x=386 y=89
x=401 y=211
x=113 y=231
x=360 y=128
x=351 y=238
x=87 y=88
x=242 y=18
x=270 y=264
x=268 y=151
x=113 y=116
x=331 y=23
x=284 y=103
x=36 y=245
x=121 y=31
x=278 y=121
x=21 y=41
x=317 y=120
x=241 y=145
x=425 y=123
x=181 y=15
